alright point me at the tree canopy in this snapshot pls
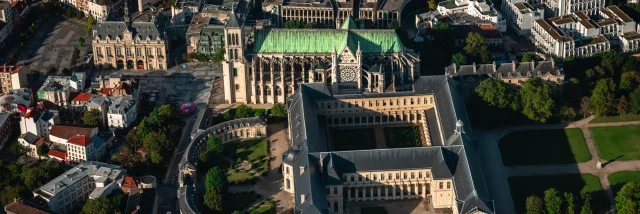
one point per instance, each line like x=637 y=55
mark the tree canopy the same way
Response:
x=91 y=117
x=628 y=199
x=459 y=59
x=535 y=205
x=297 y=24
x=553 y=201
x=495 y=92
x=99 y=205
x=213 y=199
x=536 y=100
x=602 y=99
x=528 y=57
x=157 y=145
x=476 y=48
x=214 y=144
x=278 y=110
x=216 y=178
x=242 y=111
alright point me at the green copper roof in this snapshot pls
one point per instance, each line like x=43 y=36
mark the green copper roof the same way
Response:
x=349 y=24
x=323 y=41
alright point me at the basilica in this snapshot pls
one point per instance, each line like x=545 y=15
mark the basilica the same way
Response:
x=267 y=65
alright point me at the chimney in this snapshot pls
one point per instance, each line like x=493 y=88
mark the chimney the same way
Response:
x=553 y=63
x=455 y=68
x=494 y=67
x=533 y=65
x=513 y=64
x=474 y=67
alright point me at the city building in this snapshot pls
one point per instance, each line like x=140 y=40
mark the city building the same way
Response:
x=630 y=41
x=11 y=13
x=31 y=142
x=492 y=36
x=143 y=198
x=122 y=112
x=38 y=121
x=101 y=104
x=184 y=10
x=579 y=34
x=12 y=77
x=351 y=60
x=205 y=35
x=444 y=172
x=98 y=9
x=5 y=128
x=479 y=9
x=72 y=189
x=79 y=143
x=521 y=15
x=80 y=103
x=139 y=44
x=56 y=89
x=22 y=206
x=16 y=101
x=514 y=73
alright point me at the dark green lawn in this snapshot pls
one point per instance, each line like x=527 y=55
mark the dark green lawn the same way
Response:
x=623 y=118
x=523 y=187
x=354 y=139
x=402 y=137
x=617 y=142
x=373 y=210
x=618 y=179
x=553 y=146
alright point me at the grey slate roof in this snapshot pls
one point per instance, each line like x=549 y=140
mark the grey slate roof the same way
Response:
x=30 y=138
x=115 y=29
x=506 y=70
x=457 y=157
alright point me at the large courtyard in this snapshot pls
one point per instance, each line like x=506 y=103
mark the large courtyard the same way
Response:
x=377 y=137
x=617 y=142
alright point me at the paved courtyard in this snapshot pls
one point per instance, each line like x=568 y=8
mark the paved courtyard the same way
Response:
x=52 y=44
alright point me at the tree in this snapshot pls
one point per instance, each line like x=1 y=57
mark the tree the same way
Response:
x=90 y=22
x=166 y=115
x=278 y=110
x=297 y=24
x=91 y=117
x=629 y=81
x=227 y=115
x=528 y=57
x=80 y=15
x=42 y=150
x=586 y=206
x=132 y=140
x=100 y=205
x=623 y=106
x=585 y=107
x=214 y=144
x=536 y=100
x=242 y=111
x=571 y=203
x=459 y=59
x=634 y=101
x=567 y=113
x=433 y=5
x=475 y=47
x=216 y=178
x=630 y=65
x=611 y=61
x=157 y=145
x=213 y=199
x=628 y=199
x=75 y=55
x=69 y=13
x=535 y=205
x=572 y=90
x=393 y=25
x=18 y=149
x=218 y=56
x=81 y=42
x=553 y=201
x=51 y=70
x=495 y=92
x=602 y=100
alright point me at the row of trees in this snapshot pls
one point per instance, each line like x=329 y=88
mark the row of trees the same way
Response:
x=532 y=99
x=243 y=111
x=218 y=56
x=18 y=180
x=216 y=179
x=556 y=203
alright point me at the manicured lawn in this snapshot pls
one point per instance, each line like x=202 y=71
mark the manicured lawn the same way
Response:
x=262 y=209
x=619 y=179
x=239 y=177
x=238 y=201
x=353 y=139
x=617 y=142
x=251 y=151
x=553 y=146
x=523 y=187
x=401 y=137
x=623 y=118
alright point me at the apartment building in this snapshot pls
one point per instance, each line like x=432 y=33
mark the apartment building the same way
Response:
x=12 y=77
x=79 y=143
x=5 y=128
x=56 y=89
x=579 y=34
x=481 y=9
x=521 y=15
x=38 y=121
x=32 y=142
x=72 y=189
x=98 y=9
x=122 y=112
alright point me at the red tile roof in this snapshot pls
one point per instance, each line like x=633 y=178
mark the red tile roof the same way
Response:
x=83 y=97
x=129 y=182
x=58 y=154
x=22 y=208
x=41 y=140
x=32 y=113
x=80 y=140
x=107 y=91
x=66 y=132
x=10 y=69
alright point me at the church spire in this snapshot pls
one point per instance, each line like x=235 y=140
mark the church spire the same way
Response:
x=126 y=12
x=358 y=52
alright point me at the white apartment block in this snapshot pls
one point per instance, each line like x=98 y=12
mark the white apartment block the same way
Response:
x=630 y=41
x=579 y=34
x=122 y=112
x=564 y=7
x=521 y=15
x=79 y=143
x=73 y=188
x=38 y=122
x=98 y=9
x=56 y=89
x=480 y=9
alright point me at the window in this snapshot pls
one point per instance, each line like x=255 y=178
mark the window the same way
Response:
x=359 y=178
x=352 y=178
x=237 y=87
x=288 y=184
x=138 y=51
x=127 y=51
x=419 y=174
x=397 y=176
x=448 y=185
x=235 y=72
x=375 y=177
x=108 y=51
x=328 y=191
x=119 y=51
x=335 y=190
x=441 y=183
x=404 y=175
x=99 y=51
x=367 y=178
x=159 y=51
x=389 y=176
x=413 y=175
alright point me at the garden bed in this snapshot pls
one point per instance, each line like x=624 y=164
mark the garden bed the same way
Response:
x=354 y=139
x=402 y=137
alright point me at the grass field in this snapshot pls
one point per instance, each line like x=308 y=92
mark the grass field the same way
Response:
x=523 y=187
x=553 y=146
x=617 y=142
x=239 y=177
x=618 y=179
x=402 y=137
x=253 y=151
x=623 y=118
x=353 y=139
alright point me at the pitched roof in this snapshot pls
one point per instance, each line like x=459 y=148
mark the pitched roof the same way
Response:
x=116 y=29
x=80 y=140
x=59 y=154
x=66 y=132
x=349 y=24
x=39 y=141
x=83 y=97
x=233 y=20
x=21 y=206
x=129 y=182
x=324 y=40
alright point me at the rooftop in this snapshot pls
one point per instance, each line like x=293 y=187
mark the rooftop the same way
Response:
x=591 y=41
x=80 y=140
x=70 y=177
x=631 y=36
x=615 y=9
x=56 y=83
x=83 y=97
x=552 y=31
x=10 y=68
x=66 y=131
x=22 y=206
x=121 y=104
